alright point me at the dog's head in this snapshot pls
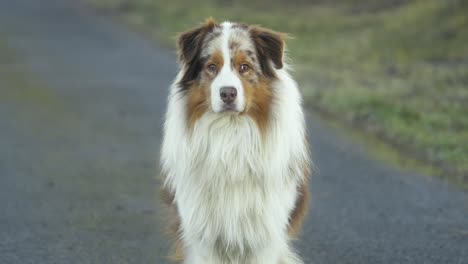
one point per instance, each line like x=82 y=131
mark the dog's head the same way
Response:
x=228 y=67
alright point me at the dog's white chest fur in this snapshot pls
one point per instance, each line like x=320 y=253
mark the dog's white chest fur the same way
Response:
x=235 y=202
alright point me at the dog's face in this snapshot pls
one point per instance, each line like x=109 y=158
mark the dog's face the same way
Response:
x=228 y=67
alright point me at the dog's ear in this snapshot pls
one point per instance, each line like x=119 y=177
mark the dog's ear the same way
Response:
x=270 y=47
x=189 y=43
x=189 y=46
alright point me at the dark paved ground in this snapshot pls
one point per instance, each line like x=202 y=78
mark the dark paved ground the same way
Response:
x=78 y=158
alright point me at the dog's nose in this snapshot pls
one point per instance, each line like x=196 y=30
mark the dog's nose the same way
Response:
x=228 y=94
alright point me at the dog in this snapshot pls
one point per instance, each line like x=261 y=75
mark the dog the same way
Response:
x=235 y=156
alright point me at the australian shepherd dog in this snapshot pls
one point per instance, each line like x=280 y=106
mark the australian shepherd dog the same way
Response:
x=235 y=156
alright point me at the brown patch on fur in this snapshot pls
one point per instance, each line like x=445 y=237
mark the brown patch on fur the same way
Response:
x=299 y=212
x=258 y=103
x=197 y=104
x=216 y=58
x=198 y=95
x=173 y=230
x=270 y=47
x=300 y=209
x=258 y=95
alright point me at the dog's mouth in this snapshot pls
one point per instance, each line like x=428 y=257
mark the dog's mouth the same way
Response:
x=227 y=108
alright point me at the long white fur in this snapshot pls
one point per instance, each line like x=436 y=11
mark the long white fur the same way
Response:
x=234 y=189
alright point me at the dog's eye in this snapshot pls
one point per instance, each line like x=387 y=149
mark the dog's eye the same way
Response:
x=211 y=67
x=244 y=68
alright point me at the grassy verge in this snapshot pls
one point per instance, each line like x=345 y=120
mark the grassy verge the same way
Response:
x=397 y=69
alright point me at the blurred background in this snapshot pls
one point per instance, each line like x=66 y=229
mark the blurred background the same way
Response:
x=397 y=69
x=83 y=88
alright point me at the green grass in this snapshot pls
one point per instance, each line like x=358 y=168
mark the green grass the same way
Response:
x=15 y=86
x=398 y=69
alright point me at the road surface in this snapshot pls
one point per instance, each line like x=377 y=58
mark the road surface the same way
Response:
x=79 y=150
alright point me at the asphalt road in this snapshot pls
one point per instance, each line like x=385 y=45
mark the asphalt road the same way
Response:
x=78 y=159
